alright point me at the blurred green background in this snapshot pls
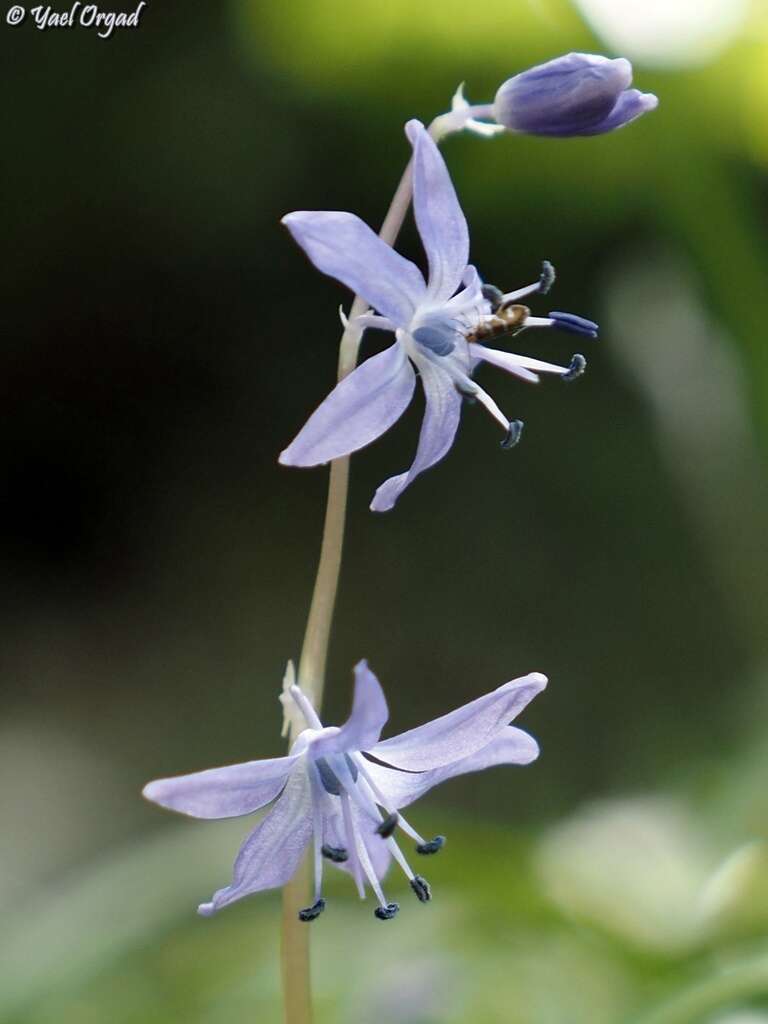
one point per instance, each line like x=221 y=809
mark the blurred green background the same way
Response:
x=164 y=339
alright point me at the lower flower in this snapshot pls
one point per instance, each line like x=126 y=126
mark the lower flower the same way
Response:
x=344 y=789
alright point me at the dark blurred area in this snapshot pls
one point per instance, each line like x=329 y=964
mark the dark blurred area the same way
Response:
x=164 y=339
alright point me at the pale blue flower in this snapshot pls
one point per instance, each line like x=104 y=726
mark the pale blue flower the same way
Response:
x=431 y=322
x=578 y=94
x=344 y=788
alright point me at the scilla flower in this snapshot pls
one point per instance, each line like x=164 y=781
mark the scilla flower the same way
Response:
x=344 y=789
x=439 y=327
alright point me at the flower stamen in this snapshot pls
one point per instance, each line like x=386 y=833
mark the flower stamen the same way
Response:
x=365 y=860
x=388 y=825
x=335 y=854
x=576 y=368
x=388 y=912
x=467 y=386
x=377 y=797
x=354 y=859
x=313 y=912
x=493 y=295
x=514 y=434
x=542 y=286
x=571 y=323
x=433 y=846
x=422 y=889
x=317 y=834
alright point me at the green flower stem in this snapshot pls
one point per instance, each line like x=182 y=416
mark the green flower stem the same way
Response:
x=297 y=999
x=294 y=948
x=730 y=987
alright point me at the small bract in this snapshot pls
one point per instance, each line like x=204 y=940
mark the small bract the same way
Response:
x=345 y=789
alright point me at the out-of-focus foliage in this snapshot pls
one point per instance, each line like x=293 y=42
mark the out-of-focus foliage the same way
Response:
x=163 y=340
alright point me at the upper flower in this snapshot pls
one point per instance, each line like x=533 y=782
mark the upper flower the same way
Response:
x=578 y=94
x=344 y=788
x=439 y=326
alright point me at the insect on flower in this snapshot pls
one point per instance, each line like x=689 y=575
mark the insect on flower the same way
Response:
x=506 y=320
x=344 y=789
x=437 y=324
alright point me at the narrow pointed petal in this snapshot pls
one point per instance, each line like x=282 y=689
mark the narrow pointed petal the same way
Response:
x=270 y=855
x=462 y=732
x=222 y=792
x=441 y=421
x=511 y=746
x=343 y=246
x=513 y=363
x=363 y=727
x=441 y=222
x=357 y=411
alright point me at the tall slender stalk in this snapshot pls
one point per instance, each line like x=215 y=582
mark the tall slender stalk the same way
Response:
x=314 y=651
x=297 y=999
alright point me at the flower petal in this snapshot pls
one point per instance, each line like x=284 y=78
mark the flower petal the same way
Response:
x=222 y=792
x=441 y=421
x=358 y=410
x=270 y=855
x=343 y=246
x=471 y=295
x=462 y=732
x=629 y=106
x=441 y=222
x=369 y=715
x=512 y=746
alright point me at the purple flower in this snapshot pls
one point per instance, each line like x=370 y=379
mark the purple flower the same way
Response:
x=438 y=327
x=344 y=788
x=578 y=94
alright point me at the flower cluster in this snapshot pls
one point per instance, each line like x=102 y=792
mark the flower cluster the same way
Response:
x=344 y=788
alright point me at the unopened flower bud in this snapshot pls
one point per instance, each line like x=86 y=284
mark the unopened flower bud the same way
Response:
x=578 y=94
